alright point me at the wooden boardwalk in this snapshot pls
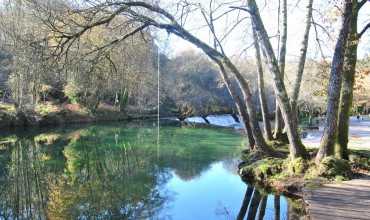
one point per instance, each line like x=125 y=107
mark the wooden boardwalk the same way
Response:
x=347 y=200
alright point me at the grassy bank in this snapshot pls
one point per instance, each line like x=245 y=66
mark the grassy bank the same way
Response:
x=291 y=176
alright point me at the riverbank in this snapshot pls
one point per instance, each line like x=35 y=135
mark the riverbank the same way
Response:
x=55 y=115
x=291 y=177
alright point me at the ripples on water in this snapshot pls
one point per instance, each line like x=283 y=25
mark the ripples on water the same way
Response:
x=120 y=172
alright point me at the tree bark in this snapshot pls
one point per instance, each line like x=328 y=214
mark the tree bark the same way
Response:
x=302 y=59
x=346 y=95
x=296 y=147
x=335 y=83
x=279 y=123
x=261 y=89
x=239 y=105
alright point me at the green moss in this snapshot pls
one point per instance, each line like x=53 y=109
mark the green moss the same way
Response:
x=296 y=166
x=331 y=168
x=261 y=170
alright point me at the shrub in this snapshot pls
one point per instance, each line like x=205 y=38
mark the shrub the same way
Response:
x=71 y=91
x=331 y=167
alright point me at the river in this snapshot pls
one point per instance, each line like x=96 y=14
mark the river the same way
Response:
x=130 y=171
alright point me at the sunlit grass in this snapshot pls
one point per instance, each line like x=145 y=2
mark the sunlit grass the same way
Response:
x=6 y=107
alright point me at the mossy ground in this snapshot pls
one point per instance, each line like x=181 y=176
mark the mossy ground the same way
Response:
x=290 y=176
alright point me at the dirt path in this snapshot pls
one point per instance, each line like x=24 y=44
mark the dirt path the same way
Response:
x=359 y=134
x=344 y=201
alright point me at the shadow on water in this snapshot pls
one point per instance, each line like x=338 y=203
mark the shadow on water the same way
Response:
x=120 y=172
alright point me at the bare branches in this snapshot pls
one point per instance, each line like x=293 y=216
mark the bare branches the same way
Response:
x=361 y=3
x=242 y=8
x=363 y=30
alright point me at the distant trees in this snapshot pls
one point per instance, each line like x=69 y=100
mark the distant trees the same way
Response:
x=88 y=73
x=199 y=90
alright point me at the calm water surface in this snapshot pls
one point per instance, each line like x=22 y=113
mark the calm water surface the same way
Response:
x=120 y=171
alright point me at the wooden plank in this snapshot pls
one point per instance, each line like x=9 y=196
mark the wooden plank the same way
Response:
x=344 y=201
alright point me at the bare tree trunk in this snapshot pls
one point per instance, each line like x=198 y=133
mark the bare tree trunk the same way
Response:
x=302 y=58
x=261 y=144
x=296 y=147
x=239 y=106
x=279 y=123
x=261 y=89
x=346 y=96
x=335 y=83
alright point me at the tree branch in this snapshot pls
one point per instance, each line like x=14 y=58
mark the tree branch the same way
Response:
x=242 y=8
x=360 y=4
x=363 y=30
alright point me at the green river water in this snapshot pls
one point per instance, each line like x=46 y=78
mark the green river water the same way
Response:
x=130 y=171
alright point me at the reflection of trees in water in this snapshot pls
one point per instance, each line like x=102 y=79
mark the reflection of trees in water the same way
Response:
x=254 y=206
x=23 y=189
x=103 y=171
x=107 y=178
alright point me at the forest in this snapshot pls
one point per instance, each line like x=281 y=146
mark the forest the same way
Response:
x=164 y=96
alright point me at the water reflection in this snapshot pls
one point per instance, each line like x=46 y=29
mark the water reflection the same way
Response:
x=118 y=172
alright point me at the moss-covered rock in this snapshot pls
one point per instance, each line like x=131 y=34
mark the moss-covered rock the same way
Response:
x=260 y=170
x=296 y=166
x=332 y=168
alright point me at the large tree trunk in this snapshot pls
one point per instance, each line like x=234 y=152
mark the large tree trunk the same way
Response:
x=279 y=123
x=346 y=96
x=302 y=59
x=261 y=89
x=239 y=105
x=296 y=147
x=335 y=84
x=261 y=144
